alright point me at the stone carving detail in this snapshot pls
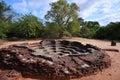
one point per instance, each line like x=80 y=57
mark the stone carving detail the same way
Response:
x=54 y=59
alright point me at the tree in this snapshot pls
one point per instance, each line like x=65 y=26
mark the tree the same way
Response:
x=63 y=14
x=3 y=9
x=101 y=33
x=27 y=26
x=88 y=28
x=91 y=24
x=111 y=31
x=114 y=30
x=6 y=13
x=5 y=18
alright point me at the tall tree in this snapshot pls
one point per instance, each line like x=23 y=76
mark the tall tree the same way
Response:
x=4 y=8
x=62 y=12
x=88 y=28
x=5 y=18
x=111 y=31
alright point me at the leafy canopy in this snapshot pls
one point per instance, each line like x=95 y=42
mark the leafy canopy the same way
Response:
x=88 y=28
x=4 y=19
x=62 y=12
x=111 y=31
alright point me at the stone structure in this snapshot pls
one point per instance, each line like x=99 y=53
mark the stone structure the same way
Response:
x=10 y=75
x=54 y=59
x=113 y=43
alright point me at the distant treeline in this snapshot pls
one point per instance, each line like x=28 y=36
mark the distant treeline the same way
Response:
x=92 y=29
x=61 y=20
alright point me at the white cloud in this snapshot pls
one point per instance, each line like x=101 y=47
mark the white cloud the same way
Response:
x=103 y=11
x=36 y=7
x=22 y=6
x=79 y=2
x=34 y=4
x=39 y=7
x=111 y=17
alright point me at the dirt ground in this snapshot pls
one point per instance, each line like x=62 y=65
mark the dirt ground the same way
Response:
x=112 y=73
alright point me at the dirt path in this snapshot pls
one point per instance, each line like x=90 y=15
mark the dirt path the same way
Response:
x=112 y=73
x=6 y=43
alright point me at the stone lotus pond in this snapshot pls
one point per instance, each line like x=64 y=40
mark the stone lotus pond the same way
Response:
x=54 y=59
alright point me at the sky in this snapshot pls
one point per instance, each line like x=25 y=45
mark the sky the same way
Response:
x=103 y=11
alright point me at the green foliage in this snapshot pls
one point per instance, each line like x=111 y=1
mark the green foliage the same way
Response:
x=92 y=29
x=74 y=28
x=85 y=32
x=2 y=35
x=62 y=12
x=67 y=34
x=111 y=32
x=91 y=24
x=64 y=21
x=27 y=26
x=114 y=31
x=53 y=30
x=6 y=15
x=88 y=28
x=81 y=21
x=65 y=14
x=101 y=33
x=4 y=28
x=3 y=9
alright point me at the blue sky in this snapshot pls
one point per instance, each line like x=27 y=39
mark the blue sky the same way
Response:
x=103 y=11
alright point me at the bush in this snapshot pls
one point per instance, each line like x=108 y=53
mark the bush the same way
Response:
x=27 y=26
x=101 y=33
x=111 y=32
x=67 y=34
x=2 y=35
x=73 y=28
x=85 y=32
x=2 y=29
x=53 y=30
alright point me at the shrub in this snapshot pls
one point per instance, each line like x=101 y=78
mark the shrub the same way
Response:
x=27 y=26
x=53 y=30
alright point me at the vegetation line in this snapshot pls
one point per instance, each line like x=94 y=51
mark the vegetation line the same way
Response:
x=61 y=20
